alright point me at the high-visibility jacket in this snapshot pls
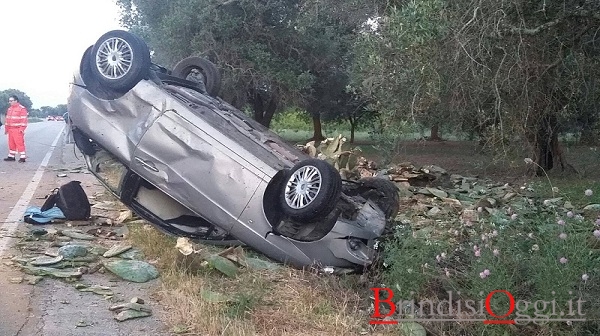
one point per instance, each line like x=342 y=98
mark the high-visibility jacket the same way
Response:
x=16 y=117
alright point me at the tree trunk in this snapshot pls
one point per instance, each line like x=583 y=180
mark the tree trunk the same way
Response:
x=547 y=147
x=257 y=107
x=352 y=128
x=269 y=113
x=263 y=110
x=318 y=129
x=435 y=133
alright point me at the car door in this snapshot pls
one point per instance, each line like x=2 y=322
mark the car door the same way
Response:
x=191 y=161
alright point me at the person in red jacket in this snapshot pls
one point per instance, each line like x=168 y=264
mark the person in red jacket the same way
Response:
x=14 y=126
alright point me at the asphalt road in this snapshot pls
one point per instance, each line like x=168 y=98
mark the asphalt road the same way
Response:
x=53 y=307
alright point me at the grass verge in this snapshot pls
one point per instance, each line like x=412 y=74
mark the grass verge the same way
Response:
x=281 y=301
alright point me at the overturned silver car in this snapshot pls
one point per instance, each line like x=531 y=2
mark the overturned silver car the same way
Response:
x=193 y=165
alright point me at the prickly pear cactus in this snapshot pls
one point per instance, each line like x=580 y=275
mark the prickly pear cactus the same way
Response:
x=336 y=152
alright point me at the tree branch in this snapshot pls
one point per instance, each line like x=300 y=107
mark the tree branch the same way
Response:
x=563 y=48
x=533 y=31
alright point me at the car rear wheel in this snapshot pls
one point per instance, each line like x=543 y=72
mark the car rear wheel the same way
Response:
x=311 y=190
x=382 y=192
x=201 y=71
x=119 y=60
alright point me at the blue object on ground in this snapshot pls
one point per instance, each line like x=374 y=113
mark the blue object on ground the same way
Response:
x=34 y=215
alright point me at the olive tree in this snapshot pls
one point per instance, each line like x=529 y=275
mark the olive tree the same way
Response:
x=274 y=54
x=518 y=72
x=400 y=63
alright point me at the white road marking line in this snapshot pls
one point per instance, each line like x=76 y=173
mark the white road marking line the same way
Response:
x=16 y=215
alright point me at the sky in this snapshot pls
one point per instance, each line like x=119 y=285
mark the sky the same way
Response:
x=44 y=41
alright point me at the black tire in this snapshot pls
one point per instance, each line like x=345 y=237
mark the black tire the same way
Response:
x=384 y=193
x=124 y=69
x=323 y=200
x=209 y=71
x=84 y=65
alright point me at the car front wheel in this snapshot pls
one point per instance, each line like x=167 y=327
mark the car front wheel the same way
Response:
x=119 y=60
x=311 y=190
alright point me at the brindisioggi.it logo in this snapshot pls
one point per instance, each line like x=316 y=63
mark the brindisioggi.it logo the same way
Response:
x=518 y=312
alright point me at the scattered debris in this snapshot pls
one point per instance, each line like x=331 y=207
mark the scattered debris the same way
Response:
x=16 y=280
x=73 y=251
x=132 y=254
x=184 y=246
x=132 y=270
x=64 y=252
x=261 y=264
x=53 y=272
x=227 y=261
x=137 y=300
x=115 y=250
x=222 y=264
x=82 y=324
x=70 y=253
x=124 y=216
x=130 y=310
x=33 y=279
x=96 y=289
x=44 y=261
x=77 y=234
x=108 y=205
x=412 y=329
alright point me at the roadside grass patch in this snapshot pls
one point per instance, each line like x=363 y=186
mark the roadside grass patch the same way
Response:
x=282 y=301
x=541 y=246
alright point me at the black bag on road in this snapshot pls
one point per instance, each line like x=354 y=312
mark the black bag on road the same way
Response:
x=71 y=199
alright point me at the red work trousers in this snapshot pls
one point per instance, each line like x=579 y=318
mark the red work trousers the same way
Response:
x=16 y=142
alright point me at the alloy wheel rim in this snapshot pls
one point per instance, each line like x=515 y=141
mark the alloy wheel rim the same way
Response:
x=303 y=187
x=114 y=58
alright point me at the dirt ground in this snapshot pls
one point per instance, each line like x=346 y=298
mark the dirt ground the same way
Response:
x=465 y=158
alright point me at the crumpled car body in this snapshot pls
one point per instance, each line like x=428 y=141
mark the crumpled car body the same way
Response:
x=197 y=167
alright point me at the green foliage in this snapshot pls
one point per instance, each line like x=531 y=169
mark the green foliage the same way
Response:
x=287 y=51
x=23 y=99
x=534 y=247
x=399 y=63
x=387 y=133
x=295 y=119
x=416 y=250
x=251 y=40
x=500 y=69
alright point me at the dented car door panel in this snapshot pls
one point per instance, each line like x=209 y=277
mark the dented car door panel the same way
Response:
x=118 y=124
x=194 y=167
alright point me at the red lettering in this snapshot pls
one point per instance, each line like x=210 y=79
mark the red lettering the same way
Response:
x=488 y=305
x=378 y=300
